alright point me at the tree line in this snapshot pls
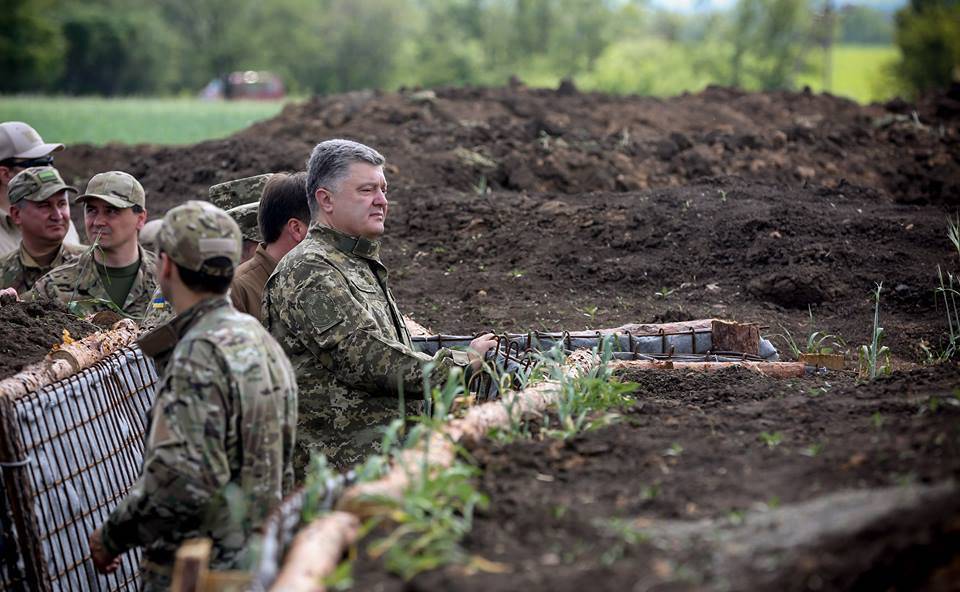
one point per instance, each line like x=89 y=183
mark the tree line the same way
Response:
x=123 y=47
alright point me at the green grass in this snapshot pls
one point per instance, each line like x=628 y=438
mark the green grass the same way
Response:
x=859 y=72
x=134 y=120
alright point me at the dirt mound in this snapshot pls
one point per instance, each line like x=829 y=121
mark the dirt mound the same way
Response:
x=568 y=142
x=712 y=452
x=28 y=331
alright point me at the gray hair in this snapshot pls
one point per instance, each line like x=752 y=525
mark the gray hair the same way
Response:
x=328 y=164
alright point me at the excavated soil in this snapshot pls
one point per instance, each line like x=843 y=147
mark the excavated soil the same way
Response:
x=28 y=331
x=691 y=448
x=535 y=209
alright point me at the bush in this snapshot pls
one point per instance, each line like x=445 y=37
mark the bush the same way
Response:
x=928 y=34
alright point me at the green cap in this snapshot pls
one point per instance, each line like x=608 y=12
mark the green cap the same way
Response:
x=246 y=218
x=197 y=231
x=241 y=191
x=36 y=184
x=117 y=188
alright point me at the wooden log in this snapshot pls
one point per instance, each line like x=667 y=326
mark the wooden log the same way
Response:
x=729 y=336
x=68 y=359
x=772 y=369
x=191 y=565
x=315 y=553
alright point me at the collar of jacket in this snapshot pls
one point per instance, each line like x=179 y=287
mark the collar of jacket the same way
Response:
x=351 y=245
x=159 y=342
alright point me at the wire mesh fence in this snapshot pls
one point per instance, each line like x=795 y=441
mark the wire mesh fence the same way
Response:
x=69 y=452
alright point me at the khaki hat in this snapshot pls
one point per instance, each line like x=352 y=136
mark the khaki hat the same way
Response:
x=19 y=140
x=197 y=231
x=246 y=218
x=149 y=232
x=117 y=188
x=238 y=192
x=37 y=184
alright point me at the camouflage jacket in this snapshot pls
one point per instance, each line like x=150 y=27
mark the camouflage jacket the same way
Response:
x=329 y=306
x=19 y=270
x=219 y=444
x=78 y=286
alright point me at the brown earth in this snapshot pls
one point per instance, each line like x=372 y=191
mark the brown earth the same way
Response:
x=691 y=448
x=28 y=331
x=533 y=209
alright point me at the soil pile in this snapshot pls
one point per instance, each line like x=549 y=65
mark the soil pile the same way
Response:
x=717 y=451
x=564 y=141
x=29 y=330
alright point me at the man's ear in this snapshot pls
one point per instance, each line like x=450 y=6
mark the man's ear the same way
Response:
x=141 y=219
x=324 y=200
x=166 y=266
x=297 y=229
x=15 y=215
x=6 y=173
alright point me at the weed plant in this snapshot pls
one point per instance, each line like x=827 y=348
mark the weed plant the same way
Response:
x=875 y=358
x=817 y=342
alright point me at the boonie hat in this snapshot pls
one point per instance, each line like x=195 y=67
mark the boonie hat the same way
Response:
x=37 y=184
x=117 y=188
x=19 y=140
x=238 y=192
x=246 y=218
x=196 y=232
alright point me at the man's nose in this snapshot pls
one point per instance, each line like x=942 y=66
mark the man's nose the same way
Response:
x=380 y=198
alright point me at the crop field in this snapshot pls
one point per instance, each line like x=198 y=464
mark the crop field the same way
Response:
x=860 y=72
x=134 y=120
x=828 y=224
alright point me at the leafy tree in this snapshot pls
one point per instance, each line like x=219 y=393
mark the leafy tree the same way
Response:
x=866 y=25
x=31 y=46
x=111 y=52
x=768 y=40
x=928 y=34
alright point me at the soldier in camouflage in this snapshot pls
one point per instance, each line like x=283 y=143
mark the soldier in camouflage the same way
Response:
x=116 y=273
x=40 y=208
x=220 y=441
x=329 y=306
x=238 y=198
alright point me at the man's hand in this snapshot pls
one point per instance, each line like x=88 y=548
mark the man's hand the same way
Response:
x=8 y=296
x=102 y=559
x=478 y=348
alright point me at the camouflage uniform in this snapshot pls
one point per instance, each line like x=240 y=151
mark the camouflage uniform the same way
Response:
x=18 y=269
x=329 y=306
x=237 y=197
x=220 y=441
x=79 y=287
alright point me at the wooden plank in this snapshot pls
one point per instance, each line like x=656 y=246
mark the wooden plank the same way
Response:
x=191 y=566
x=730 y=336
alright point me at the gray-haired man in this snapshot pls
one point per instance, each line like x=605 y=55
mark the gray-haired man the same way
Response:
x=329 y=306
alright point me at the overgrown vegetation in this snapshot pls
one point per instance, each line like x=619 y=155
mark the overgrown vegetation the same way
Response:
x=115 y=47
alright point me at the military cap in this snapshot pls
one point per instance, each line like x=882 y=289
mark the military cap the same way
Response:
x=197 y=231
x=117 y=188
x=149 y=232
x=19 y=140
x=238 y=192
x=37 y=184
x=246 y=218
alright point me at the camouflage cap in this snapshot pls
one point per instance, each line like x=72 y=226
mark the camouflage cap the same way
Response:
x=37 y=184
x=149 y=233
x=238 y=192
x=246 y=218
x=117 y=188
x=197 y=231
x=19 y=140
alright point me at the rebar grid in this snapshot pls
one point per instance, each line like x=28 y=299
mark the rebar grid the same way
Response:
x=81 y=441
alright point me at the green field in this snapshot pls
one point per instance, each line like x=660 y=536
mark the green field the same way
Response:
x=859 y=72
x=134 y=120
